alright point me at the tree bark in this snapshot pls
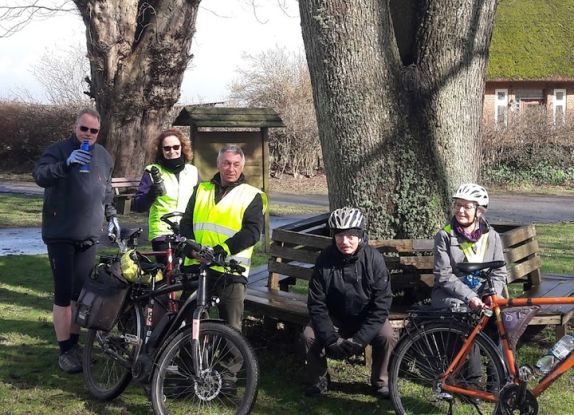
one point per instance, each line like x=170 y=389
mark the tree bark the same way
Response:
x=394 y=131
x=138 y=53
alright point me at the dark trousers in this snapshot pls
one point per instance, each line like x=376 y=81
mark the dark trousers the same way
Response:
x=383 y=344
x=71 y=264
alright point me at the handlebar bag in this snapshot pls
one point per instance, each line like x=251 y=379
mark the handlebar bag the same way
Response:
x=102 y=297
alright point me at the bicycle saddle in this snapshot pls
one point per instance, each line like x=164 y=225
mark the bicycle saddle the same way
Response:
x=469 y=267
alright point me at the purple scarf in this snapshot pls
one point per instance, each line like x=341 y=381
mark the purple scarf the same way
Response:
x=472 y=236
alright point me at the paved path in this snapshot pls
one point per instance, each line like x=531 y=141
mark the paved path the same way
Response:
x=504 y=208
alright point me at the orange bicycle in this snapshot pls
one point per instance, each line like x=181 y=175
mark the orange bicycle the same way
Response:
x=464 y=362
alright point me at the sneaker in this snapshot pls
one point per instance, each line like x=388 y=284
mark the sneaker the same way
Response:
x=70 y=362
x=319 y=388
x=78 y=351
x=381 y=391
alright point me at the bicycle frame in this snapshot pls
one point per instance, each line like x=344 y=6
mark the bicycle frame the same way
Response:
x=499 y=303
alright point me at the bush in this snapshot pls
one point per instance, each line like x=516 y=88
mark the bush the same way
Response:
x=27 y=129
x=530 y=151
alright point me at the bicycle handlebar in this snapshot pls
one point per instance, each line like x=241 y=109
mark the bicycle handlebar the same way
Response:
x=206 y=253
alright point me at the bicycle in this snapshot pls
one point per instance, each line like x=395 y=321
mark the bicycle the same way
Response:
x=445 y=360
x=188 y=362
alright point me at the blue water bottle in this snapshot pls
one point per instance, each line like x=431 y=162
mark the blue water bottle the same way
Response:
x=85 y=168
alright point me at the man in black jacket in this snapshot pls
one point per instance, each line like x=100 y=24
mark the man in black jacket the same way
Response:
x=349 y=301
x=76 y=200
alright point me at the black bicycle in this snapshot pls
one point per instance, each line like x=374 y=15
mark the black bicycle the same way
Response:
x=188 y=361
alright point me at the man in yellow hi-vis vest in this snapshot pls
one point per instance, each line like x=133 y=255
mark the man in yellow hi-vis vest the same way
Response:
x=227 y=214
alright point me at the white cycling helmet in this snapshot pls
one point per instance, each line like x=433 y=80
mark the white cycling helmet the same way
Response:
x=472 y=192
x=346 y=218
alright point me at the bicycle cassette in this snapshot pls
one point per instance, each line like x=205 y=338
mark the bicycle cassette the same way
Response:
x=510 y=401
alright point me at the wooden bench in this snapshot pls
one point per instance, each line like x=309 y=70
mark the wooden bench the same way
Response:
x=294 y=249
x=124 y=191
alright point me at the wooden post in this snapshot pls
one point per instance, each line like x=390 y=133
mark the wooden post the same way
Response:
x=265 y=177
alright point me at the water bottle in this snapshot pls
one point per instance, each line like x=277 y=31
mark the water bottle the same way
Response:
x=157 y=180
x=85 y=168
x=556 y=354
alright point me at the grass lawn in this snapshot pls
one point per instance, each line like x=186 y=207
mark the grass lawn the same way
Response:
x=31 y=383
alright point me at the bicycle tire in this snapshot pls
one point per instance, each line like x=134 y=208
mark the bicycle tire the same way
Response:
x=421 y=357
x=230 y=371
x=108 y=357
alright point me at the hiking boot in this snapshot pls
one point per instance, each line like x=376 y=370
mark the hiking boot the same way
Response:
x=70 y=362
x=319 y=388
x=381 y=392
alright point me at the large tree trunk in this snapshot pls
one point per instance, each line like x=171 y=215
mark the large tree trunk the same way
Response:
x=138 y=53
x=392 y=131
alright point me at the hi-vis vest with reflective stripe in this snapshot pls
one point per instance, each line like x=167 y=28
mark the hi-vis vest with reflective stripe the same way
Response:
x=176 y=197
x=214 y=223
x=474 y=252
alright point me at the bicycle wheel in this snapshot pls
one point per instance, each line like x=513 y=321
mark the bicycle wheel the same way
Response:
x=108 y=356
x=229 y=376
x=421 y=358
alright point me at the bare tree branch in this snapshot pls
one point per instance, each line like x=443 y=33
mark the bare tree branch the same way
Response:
x=16 y=15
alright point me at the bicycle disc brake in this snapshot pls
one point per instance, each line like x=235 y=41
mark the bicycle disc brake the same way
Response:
x=510 y=402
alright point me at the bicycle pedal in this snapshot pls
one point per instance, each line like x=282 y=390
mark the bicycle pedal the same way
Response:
x=132 y=339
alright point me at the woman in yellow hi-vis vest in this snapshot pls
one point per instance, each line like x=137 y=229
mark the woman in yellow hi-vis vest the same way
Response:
x=467 y=238
x=226 y=213
x=175 y=179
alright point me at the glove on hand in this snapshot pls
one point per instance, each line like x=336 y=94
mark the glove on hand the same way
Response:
x=351 y=347
x=335 y=350
x=80 y=157
x=219 y=254
x=113 y=228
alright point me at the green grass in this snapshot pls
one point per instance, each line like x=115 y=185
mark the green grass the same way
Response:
x=30 y=381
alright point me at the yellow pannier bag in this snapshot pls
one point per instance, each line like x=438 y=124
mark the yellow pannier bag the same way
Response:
x=131 y=270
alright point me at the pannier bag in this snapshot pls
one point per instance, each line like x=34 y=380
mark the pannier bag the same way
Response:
x=516 y=321
x=102 y=297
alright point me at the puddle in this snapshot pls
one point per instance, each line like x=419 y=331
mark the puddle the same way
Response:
x=28 y=241
x=21 y=241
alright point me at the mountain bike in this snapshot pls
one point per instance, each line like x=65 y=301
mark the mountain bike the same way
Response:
x=451 y=360
x=187 y=361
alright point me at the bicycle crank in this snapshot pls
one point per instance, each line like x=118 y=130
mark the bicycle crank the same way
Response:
x=514 y=400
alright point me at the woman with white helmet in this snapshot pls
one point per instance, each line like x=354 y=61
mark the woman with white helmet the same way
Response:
x=466 y=238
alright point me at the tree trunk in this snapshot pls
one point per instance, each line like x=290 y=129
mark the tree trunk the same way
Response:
x=138 y=53
x=392 y=132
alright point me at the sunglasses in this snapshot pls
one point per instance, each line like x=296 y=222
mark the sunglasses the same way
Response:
x=83 y=128
x=175 y=147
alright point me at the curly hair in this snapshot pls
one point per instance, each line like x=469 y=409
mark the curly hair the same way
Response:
x=155 y=145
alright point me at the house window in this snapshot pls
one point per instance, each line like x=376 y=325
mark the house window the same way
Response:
x=501 y=107
x=559 y=106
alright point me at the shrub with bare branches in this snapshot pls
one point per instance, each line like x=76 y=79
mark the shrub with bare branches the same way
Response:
x=531 y=150
x=279 y=79
x=27 y=129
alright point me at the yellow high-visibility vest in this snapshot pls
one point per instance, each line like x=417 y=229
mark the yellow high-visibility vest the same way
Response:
x=214 y=223
x=473 y=251
x=177 y=195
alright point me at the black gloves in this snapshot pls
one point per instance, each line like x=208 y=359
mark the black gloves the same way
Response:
x=219 y=254
x=344 y=348
x=351 y=347
x=335 y=351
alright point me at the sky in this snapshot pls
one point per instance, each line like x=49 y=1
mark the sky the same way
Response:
x=225 y=31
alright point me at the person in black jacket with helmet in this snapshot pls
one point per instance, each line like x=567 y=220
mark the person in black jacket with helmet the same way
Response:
x=349 y=301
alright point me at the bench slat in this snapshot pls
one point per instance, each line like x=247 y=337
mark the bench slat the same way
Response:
x=522 y=251
x=290 y=270
x=312 y=241
x=302 y=255
x=518 y=235
x=521 y=270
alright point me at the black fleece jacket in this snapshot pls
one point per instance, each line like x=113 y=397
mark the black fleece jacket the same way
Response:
x=352 y=293
x=74 y=203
